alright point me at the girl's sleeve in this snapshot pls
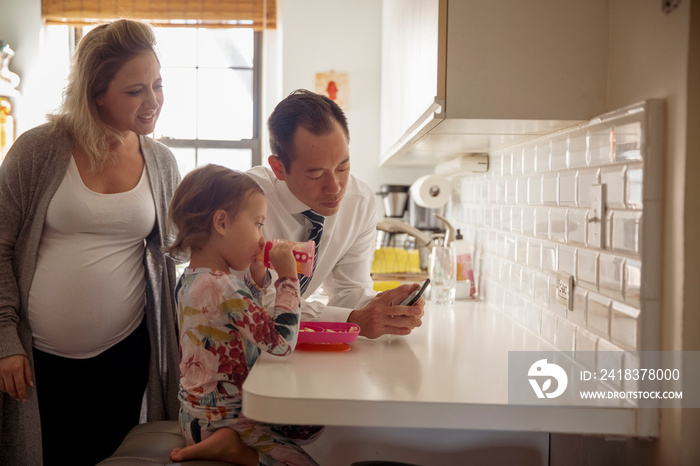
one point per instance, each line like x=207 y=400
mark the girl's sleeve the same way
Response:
x=255 y=291
x=276 y=331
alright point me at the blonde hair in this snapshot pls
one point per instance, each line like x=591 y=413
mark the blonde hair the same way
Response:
x=100 y=55
x=199 y=195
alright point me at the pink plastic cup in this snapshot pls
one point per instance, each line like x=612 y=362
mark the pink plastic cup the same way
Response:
x=304 y=254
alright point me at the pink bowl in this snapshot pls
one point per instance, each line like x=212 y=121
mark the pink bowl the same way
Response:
x=328 y=332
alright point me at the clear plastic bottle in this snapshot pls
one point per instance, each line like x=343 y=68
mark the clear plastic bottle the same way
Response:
x=465 y=273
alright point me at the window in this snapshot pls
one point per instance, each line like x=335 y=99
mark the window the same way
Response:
x=211 y=80
x=212 y=90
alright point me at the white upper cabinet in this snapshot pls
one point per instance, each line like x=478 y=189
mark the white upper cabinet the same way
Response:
x=466 y=76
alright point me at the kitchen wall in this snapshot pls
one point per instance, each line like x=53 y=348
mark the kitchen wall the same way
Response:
x=533 y=216
x=656 y=54
x=323 y=35
x=313 y=36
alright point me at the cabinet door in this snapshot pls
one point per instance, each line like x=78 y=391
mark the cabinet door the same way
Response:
x=410 y=71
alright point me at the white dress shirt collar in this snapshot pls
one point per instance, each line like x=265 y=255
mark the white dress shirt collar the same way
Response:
x=289 y=201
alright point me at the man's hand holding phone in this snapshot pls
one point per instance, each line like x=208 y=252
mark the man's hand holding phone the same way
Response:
x=382 y=315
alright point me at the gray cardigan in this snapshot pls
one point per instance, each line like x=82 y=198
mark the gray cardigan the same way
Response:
x=29 y=177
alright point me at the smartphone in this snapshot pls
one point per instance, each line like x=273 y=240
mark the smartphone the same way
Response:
x=413 y=297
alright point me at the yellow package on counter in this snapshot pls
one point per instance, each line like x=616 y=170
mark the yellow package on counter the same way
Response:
x=384 y=285
x=396 y=260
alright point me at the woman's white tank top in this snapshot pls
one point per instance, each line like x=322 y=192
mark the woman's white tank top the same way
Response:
x=89 y=286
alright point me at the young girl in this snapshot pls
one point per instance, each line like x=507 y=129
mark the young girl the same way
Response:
x=219 y=214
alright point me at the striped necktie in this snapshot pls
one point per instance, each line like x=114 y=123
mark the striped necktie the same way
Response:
x=315 y=236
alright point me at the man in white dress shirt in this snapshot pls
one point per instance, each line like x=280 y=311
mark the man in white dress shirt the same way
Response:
x=310 y=169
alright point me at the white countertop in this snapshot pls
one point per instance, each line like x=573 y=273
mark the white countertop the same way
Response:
x=452 y=372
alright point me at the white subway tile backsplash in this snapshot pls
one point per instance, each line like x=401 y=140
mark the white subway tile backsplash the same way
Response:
x=488 y=216
x=528 y=221
x=532 y=213
x=534 y=318
x=557 y=224
x=501 y=191
x=542 y=157
x=550 y=187
x=565 y=338
x=624 y=325
x=598 y=315
x=567 y=188
x=511 y=191
x=612 y=269
x=521 y=250
x=578 y=314
x=633 y=281
x=559 y=154
x=528 y=282
x=507 y=164
x=529 y=154
x=542 y=223
x=534 y=187
x=495 y=162
x=578 y=149
x=522 y=190
x=549 y=257
x=577 y=227
x=491 y=191
x=566 y=259
x=635 y=192
x=628 y=141
x=613 y=178
x=517 y=155
x=587 y=268
x=516 y=277
x=586 y=179
x=542 y=289
x=548 y=326
x=534 y=254
x=516 y=221
x=599 y=143
x=504 y=271
x=608 y=228
x=510 y=247
x=506 y=218
x=626 y=229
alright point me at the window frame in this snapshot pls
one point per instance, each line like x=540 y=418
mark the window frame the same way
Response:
x=254 y=144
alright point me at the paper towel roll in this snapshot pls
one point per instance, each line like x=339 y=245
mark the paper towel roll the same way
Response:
x=431 y=191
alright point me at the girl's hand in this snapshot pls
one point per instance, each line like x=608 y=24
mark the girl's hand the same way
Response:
x=258 y=271
x=282 y=259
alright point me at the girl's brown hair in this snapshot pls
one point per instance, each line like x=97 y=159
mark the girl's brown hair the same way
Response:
x=200 y=194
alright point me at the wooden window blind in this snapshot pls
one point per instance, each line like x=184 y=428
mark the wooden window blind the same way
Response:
x=256 y=14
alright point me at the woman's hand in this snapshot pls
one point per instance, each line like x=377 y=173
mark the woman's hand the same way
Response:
x=15 y=375
x=282 y=259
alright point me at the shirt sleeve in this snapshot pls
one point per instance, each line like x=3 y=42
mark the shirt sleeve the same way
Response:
x=275 y=330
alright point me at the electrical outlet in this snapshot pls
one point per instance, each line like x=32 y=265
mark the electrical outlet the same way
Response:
x=565 y=289
x=596 y=219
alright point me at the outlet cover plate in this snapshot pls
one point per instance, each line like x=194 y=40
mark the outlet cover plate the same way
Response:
x=565 y=290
